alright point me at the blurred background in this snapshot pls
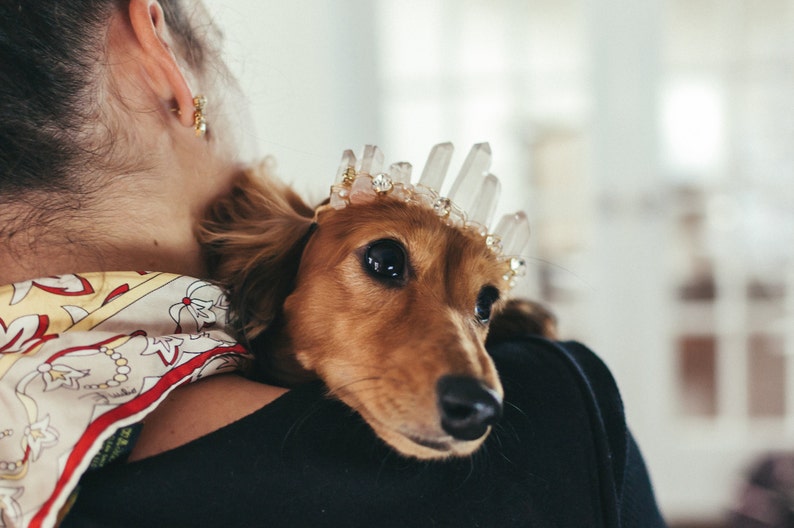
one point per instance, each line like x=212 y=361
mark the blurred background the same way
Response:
x=649 y=141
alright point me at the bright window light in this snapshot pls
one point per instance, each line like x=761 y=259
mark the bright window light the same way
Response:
x=693 y=127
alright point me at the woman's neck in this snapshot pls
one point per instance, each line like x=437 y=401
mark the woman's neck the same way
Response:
x=127 y=242
x=16 y=266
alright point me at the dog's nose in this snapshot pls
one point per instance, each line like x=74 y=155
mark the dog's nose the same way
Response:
x=467 y=407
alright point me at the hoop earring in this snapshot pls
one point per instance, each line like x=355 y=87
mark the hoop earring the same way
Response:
x=199 y=121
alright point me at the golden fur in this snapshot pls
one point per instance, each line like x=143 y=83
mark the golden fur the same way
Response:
x=379 y=348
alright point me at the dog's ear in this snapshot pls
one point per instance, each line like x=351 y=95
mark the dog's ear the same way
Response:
x=253 y=240
x=521 y=318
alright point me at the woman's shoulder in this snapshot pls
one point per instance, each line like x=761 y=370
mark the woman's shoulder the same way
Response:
x=551 y=461
x=575 y=366
x=197 y=409
x=565 y=375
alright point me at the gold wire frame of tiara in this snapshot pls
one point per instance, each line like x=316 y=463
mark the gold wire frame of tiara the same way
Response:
x=470 y=205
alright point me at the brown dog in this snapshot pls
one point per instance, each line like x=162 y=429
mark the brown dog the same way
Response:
x=382 y=300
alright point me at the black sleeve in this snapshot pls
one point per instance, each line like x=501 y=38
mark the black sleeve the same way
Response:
x=561 y=457
x=626 y=493
x=637 y=505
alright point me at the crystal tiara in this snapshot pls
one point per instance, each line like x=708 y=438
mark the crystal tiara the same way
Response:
x=474 y=190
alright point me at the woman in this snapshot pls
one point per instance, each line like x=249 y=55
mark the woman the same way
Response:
x=120 y=125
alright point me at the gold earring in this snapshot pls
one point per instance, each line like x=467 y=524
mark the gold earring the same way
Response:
x=199 y=121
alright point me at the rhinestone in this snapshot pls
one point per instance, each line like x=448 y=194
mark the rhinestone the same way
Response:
x=382 y=183
x=518 y=266
x=442 y=207
x=494 y=243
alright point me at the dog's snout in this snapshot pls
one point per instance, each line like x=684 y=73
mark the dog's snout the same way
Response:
x=467 y=407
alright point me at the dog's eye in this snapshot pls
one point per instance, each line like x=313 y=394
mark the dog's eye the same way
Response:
x=485 y=299
x=385 y=259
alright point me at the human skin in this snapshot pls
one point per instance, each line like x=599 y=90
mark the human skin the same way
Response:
x=145 y=218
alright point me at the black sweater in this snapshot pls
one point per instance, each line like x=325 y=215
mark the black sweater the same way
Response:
x=561 y=456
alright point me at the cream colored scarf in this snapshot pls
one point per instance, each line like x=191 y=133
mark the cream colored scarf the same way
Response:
x=82 y=356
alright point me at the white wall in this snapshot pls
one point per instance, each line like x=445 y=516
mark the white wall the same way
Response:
x=300 y=64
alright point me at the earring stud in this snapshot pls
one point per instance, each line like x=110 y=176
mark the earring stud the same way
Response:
x=199 y=120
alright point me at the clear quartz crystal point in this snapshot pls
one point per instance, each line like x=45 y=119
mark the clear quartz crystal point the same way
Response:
x=371 y=160
x=400 y=172
x=436 y=167
x=484 y=206
x=464 y=189
x=348 y=161
x=338 y=199
x=362 y=191
x=513 y=230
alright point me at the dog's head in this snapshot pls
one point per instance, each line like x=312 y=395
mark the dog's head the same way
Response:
x=382 y=299
x=391 y=309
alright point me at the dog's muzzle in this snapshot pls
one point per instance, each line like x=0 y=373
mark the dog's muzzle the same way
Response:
x=468 y=408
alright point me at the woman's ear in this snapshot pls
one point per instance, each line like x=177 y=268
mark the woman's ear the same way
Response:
x=164 y=74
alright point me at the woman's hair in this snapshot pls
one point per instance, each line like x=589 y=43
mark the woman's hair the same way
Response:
x=50 y=51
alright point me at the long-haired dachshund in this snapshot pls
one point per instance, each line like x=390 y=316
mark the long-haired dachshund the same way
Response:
x=381 y=298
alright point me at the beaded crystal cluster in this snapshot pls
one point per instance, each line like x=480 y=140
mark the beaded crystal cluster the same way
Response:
x=470 y=204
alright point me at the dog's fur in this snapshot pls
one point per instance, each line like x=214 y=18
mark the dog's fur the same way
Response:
x=379 y=347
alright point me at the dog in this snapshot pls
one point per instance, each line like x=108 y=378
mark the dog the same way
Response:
x=383 y=299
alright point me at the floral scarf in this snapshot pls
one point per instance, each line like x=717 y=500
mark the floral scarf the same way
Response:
x=84 y=356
